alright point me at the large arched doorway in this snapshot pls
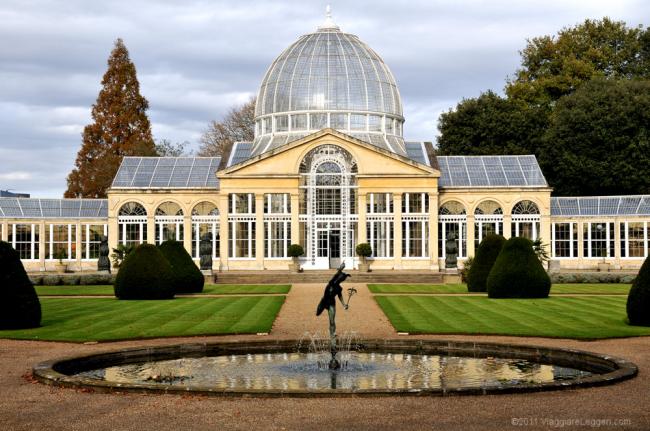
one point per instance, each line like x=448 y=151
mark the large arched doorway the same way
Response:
x=328 y=210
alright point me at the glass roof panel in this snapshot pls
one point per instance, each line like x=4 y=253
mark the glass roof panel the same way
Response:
x=162 y=172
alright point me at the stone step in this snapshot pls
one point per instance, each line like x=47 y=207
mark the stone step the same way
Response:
x=285 y=277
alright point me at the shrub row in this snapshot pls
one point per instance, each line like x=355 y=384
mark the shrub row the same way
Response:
x=91 y=279
x=508 y=269
x=151 y=272
x=591 y=277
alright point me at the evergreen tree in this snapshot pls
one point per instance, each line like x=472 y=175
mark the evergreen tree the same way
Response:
x=120 y=128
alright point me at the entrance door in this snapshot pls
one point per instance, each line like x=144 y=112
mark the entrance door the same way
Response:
x=335 y=248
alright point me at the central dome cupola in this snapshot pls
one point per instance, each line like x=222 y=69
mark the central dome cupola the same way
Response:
x=328 y=79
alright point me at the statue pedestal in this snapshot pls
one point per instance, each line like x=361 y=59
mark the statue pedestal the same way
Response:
x=208 y=275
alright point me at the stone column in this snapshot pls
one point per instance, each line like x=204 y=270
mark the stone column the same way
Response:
x=224 y=229
x=5 y=231
x=187 y=233
x=545 y=230
x=617 y=244
x=79 y=235
x=151 y=227
x=362 y=234
x=295 y=220
x=433 y=231
x=41 y=242
x=397 y=240
x=259 y=230
x=581 y=240
x=470 y=236
x=507 y=226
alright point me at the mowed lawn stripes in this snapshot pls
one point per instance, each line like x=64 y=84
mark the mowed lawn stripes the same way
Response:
x=569 y=288
x=565 y=317
x=102 y=319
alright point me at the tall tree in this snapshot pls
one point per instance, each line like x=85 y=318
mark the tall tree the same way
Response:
x=120 y=128
x=490 y=124
x=237 y=125
x=553 y=66
x=598 y=140
x=167 y=148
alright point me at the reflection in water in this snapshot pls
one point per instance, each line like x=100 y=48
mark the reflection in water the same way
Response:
x=361 y=371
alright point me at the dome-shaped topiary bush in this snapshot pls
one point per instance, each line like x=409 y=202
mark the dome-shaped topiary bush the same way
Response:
x=638 y=301
x=518 y=273
x=186 y=276
x=295 y=250
x=19 y=307
x=144 y=274
x=486 y=255
x=364 y=249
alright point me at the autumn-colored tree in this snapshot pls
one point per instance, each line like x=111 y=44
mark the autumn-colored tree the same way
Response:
x=120 y=128
x=238 y=125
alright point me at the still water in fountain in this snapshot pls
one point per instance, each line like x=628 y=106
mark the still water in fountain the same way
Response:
x=360 y=370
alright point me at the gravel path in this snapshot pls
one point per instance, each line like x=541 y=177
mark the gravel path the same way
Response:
x=25 y=405
x=298 y=314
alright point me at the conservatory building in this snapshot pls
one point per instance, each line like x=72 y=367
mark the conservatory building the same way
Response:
x=329 y=168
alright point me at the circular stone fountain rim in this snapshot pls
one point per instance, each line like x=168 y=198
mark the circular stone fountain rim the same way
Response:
x=611 y=369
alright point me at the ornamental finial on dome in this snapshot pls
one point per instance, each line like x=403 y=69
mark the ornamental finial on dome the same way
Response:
x=328 y=24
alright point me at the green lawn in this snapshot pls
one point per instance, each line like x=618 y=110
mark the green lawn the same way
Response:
x=575 y=288
x=223 y=289
x=233 y=289
x=567 y=317
x=103 y=319
x=417 y=288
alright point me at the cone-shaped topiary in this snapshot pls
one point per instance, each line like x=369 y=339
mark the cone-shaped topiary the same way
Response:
x=144 y=274
x=20 y=307
x=187 y=277
x=638 y=301
x=486 y=255
x=518 y=273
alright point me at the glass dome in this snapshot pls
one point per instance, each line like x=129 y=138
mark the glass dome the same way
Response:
x=328 y=79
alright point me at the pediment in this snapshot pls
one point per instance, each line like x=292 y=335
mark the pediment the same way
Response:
x=285 y=160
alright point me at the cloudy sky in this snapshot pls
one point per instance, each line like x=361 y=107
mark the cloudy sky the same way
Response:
x=197 y=58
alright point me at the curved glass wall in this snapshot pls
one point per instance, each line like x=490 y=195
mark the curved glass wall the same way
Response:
x=328 y=79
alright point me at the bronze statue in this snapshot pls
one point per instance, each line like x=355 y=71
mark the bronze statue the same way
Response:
x=332 y=291
x=451 y=249
x=205 y=251
x=103 y=263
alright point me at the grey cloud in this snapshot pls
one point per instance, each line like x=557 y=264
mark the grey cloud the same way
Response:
x=195 y=59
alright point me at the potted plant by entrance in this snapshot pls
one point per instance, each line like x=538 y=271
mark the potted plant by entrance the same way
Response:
x=364 y=251
x=59 y=255
x=295 y=251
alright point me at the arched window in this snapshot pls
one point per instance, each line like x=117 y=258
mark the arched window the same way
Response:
x=132 y=209
x=328 y=200
x=488 y=219
x=205 y=221
x=132 y=224
x=169 y=209
x=525 y=207
x=452 y=208
x=452 y=220
x=525 y=220
x=169 y=222
x=205 y=209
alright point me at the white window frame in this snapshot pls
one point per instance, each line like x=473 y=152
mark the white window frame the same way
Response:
x=608 y=239
x=85 y=227
x=625 y=236
x=573 y=230
x=32 y=241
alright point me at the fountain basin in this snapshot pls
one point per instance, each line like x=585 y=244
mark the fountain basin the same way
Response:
x=372 y=367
